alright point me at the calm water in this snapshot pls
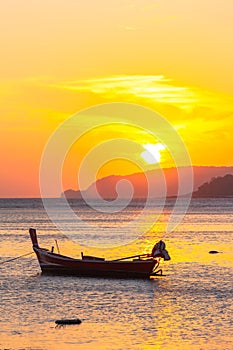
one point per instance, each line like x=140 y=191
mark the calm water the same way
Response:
x=189 y=308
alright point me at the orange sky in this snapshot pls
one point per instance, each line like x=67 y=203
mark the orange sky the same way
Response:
x=58 y=57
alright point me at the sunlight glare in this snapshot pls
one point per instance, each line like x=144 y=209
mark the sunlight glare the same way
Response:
x=152 y=154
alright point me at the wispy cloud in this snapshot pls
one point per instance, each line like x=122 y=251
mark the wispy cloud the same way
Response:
x=155 y=89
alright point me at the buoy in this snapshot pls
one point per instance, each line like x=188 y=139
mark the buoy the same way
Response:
x=68 y=321
x=213 y=252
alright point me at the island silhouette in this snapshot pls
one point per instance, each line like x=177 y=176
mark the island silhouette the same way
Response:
x=217 y=187
x=208 y=181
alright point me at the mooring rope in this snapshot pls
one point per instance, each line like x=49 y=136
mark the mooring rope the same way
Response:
x=17 y=257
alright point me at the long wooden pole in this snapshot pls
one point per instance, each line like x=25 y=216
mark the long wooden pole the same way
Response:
x=134 y=256
x=57 y=246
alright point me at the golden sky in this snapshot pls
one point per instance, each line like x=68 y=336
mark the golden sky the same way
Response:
x=58 y=57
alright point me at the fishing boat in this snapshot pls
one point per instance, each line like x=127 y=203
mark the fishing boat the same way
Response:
x=137 y=266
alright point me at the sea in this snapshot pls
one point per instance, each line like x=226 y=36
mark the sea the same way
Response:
x=189 y=307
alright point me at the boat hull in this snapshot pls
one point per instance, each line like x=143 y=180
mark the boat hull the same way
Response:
x=64 y=271
x=56 y=264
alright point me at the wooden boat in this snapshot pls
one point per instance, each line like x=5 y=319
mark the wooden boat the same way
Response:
x=137 y=266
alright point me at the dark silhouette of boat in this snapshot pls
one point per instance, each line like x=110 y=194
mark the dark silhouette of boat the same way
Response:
x=137 y=266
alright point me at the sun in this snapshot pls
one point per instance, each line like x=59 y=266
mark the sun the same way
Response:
x=152 y=152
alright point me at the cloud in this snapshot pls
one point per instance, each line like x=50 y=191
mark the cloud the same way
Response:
x=153 y=89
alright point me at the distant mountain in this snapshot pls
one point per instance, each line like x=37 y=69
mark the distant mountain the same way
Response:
x=217 y=187
x=107 y=186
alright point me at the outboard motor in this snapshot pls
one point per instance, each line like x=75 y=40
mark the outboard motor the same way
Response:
x=160 y=251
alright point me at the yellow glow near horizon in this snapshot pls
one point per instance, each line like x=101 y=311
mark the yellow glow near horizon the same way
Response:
x=131 y=141
x=202 y=118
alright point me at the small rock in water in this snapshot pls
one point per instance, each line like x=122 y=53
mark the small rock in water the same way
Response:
x=213 y=252
x=68 y=321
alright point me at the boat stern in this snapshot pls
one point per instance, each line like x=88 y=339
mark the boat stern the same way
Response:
x=159 y=250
